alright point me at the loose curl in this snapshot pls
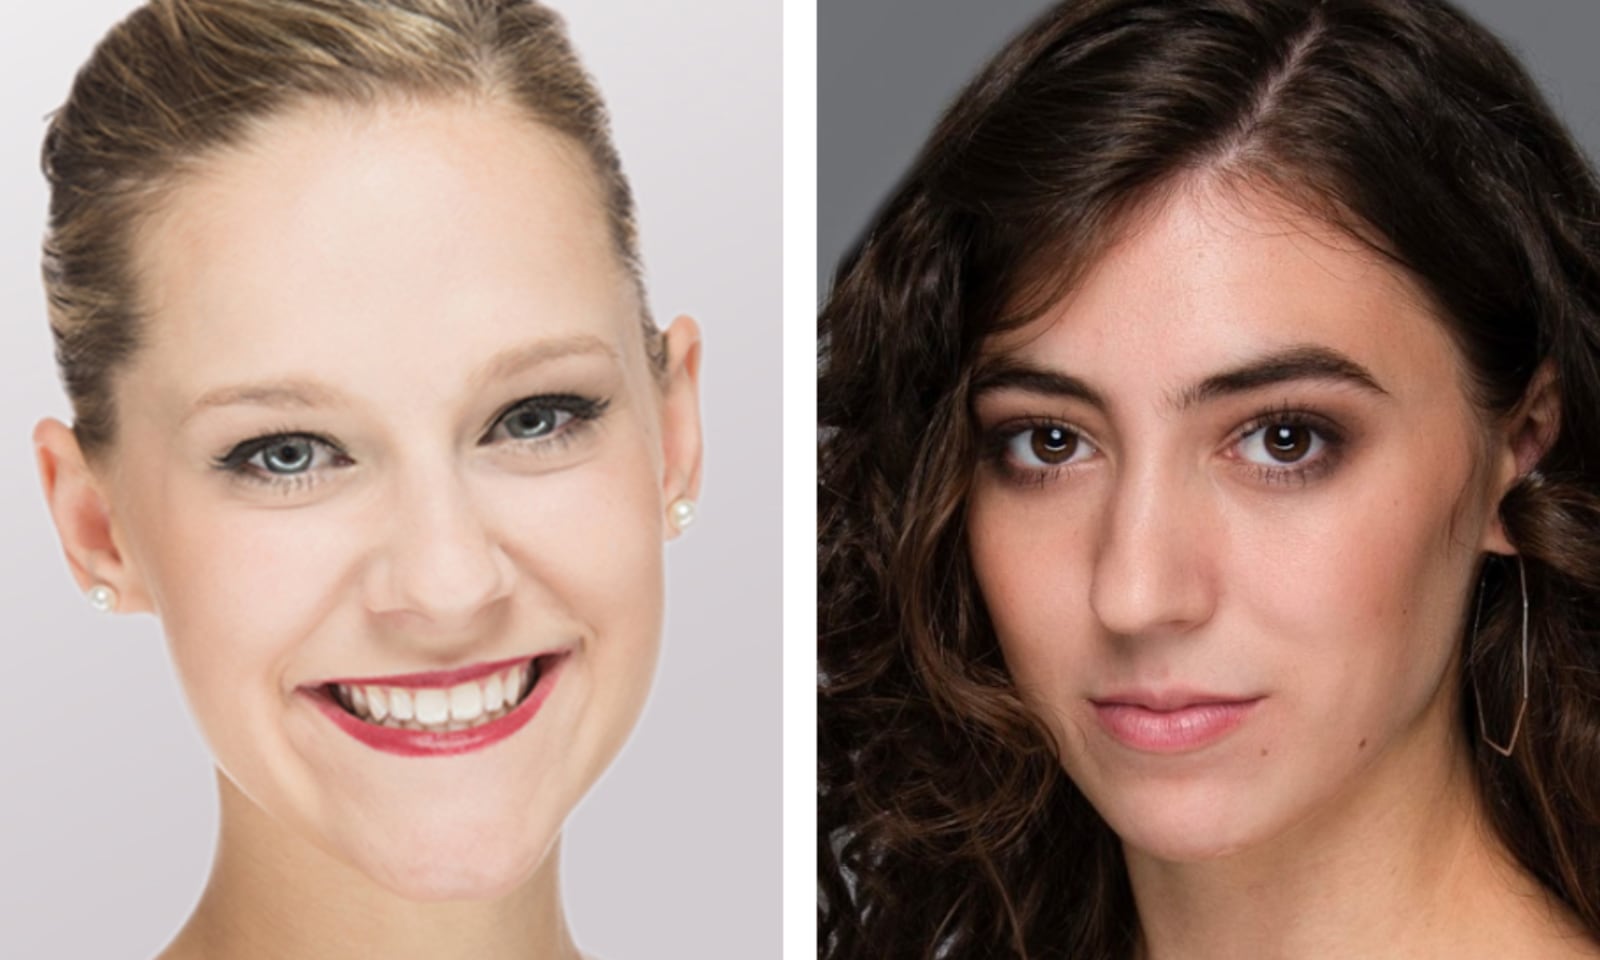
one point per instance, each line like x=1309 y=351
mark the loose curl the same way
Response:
x=947 y=826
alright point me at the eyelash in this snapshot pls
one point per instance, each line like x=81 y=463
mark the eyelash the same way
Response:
x=997 y=447
x=574 y=414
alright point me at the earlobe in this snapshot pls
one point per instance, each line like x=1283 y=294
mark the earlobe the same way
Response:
x=680 y=421
x=83 y=518
x=1529 y=432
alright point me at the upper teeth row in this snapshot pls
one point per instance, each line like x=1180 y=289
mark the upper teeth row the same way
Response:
x=461 y=703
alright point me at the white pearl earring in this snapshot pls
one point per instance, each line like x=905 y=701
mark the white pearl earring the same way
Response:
x=102 y=598
x=681 y=513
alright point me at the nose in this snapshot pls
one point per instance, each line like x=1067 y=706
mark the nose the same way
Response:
x=1152 y=575
x=437 y=559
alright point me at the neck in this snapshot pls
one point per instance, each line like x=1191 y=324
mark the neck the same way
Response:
x=273 y=894
x=1406 y=865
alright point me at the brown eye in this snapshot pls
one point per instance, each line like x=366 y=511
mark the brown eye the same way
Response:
x=1053 y=445
x=1045 y=446
x=1287 y=442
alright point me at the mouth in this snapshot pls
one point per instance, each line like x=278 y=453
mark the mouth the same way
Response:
x=1168 y=701
x=444 y=712
x=408 y=705
x=1175 y=723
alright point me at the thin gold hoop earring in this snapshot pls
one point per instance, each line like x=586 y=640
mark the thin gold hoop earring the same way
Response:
x=1522 y=706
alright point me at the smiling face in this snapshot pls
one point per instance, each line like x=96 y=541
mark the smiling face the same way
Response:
x=393 y=416
x=1228 y=524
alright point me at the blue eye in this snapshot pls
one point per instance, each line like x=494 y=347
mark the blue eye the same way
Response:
x=284 y=456
x=545 y=419
x=292 y=462
x=289 y=455
x=535 y=419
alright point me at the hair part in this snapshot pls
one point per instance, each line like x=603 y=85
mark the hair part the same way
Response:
x=948 y=827
x=178 y=81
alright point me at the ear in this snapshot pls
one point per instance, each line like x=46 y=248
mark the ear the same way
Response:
x=83 y=517
x=1519 y=444
x=680 y=414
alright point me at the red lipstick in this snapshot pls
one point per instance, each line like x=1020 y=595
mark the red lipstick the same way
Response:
x=433 y=678
x=1171 y=721
x=423 y=743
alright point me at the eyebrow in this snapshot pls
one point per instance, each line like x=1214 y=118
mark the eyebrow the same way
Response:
x=306 y=393
x=1297 y=363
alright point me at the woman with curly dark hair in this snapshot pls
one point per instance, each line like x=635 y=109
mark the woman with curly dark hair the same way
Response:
x=1210 y=503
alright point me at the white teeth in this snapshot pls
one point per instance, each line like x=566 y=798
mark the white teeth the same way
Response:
x=377 y=703
x=466 y=702
x=433 y=706
x=460 y=707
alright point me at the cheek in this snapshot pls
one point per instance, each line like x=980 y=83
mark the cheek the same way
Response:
x=254 y=600
x=589 y=543
x=238 y=591
x=1033 y=565
x=1349 y=596
x=1358 y=596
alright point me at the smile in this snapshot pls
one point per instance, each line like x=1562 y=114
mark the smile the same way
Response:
x=438 y=710
x=441 y=713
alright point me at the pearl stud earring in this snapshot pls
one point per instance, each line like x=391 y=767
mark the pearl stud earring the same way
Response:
x=102 y=598
x=681 y=513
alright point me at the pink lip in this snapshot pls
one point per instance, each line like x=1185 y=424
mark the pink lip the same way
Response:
x=1171 y=721
x=421 y=743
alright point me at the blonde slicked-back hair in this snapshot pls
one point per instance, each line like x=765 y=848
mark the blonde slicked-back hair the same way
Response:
x=179 y=80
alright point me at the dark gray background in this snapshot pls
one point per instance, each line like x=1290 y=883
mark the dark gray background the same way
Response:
x=887 y=68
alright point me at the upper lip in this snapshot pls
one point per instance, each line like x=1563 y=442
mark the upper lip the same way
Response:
x=438 y=678
x=1169 y=699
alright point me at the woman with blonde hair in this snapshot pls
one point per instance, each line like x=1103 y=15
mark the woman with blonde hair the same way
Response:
x=369 y=410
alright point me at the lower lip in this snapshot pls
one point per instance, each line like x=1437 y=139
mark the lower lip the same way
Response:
x=421 y=743
x=1172 y=731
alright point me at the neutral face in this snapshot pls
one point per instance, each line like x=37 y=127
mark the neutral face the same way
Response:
x=1228 y=524
x=393 y=423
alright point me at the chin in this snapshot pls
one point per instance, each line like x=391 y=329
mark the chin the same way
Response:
x=1172 y=846
x=431 y=867
x=1184 y=823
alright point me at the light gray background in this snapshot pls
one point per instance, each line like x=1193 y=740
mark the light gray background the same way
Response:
x=107 y=801
x=886 y=69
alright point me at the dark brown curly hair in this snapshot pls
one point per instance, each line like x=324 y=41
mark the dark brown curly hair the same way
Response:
x=947 y=826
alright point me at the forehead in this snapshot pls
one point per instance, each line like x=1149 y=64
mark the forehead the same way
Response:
x=399 y=236
x=1209 y=277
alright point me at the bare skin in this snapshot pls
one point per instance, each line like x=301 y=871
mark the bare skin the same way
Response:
x=258 y=905
x=394 y=414
x=1400 y=871
x=1237 y=465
